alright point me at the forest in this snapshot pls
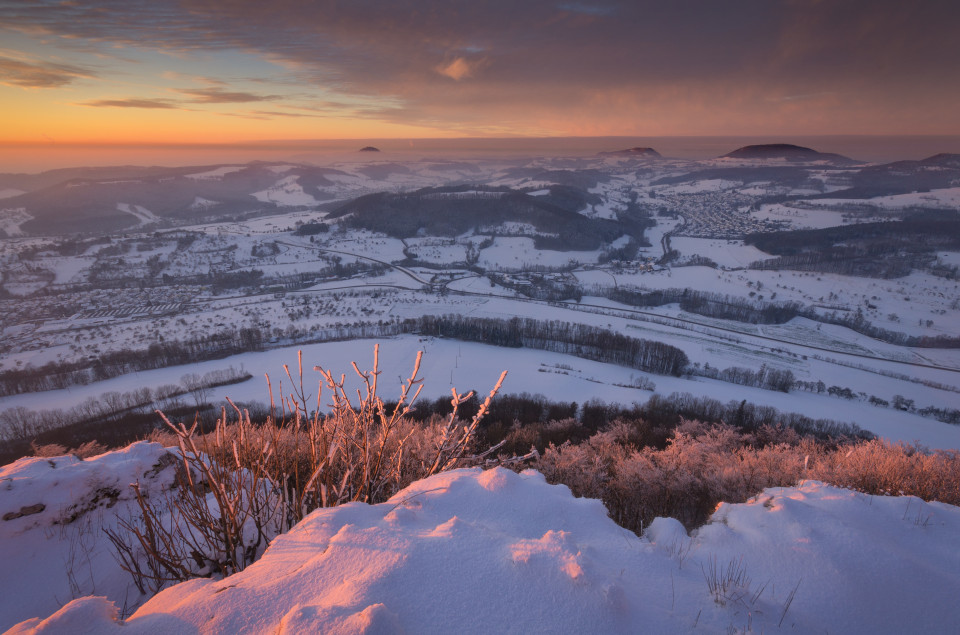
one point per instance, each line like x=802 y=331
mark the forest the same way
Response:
x=452 y=211
x=880 y=250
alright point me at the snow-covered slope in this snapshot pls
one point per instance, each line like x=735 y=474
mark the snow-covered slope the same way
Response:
x=54 y=510
x=473 y=551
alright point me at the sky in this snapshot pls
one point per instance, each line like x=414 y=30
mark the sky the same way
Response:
x=220 y=72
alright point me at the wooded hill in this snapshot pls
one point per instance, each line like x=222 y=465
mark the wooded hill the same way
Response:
x=880 y=250
x=452 y=211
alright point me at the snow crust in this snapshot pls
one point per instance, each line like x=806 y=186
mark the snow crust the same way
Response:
x=473 y=551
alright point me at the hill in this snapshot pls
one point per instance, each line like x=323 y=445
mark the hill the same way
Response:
x=903 y=177
x=785 y=152
x=452 y=211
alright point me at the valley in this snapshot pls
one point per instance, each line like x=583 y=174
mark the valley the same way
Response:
x=265 y=259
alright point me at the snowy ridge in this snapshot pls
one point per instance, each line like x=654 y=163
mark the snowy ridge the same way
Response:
x=495 y=551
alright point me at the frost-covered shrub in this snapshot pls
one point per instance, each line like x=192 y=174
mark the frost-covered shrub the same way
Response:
x=704 y=464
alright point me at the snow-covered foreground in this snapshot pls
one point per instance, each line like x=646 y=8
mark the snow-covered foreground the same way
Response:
x=46 y=561
x=494 y=551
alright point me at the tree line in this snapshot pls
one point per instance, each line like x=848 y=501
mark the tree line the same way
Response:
x=57 y=375
x=580 y=340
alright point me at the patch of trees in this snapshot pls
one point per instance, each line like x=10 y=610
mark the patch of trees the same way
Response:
x=764 y=377
x=739 y=309
x=635 y=220
x=696 y=261
x=232 y=279
x=541 y=288
x=623 y=254
x=874 y=262
x=670 y=410
x=265 y=250
x=708 y=304
x=570 y=198
x=311 y=229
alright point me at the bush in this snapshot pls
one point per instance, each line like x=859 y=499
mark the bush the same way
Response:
x=242 y=484
x=705 y=464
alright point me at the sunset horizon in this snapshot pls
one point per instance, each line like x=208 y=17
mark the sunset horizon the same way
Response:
x=134 y=73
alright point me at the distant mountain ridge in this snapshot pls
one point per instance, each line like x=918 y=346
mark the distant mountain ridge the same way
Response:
x=639 y=151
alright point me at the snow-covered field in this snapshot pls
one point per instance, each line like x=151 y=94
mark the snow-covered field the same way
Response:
x=474 y=551
x=511 y=253
x=563 y=378
x=729 y=254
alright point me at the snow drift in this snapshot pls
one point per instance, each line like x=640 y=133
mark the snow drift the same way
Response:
x=495 y=551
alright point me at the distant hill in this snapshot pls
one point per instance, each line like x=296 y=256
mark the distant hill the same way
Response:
x=369 y=149
x=94 y=199
x=903 y=177
x=639 y=152
x=786 y=151
x=942 y=160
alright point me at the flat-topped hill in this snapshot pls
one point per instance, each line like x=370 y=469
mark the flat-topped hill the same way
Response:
x=785 y=151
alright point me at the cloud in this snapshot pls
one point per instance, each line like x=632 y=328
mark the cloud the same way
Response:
x=586 y=9
x=277 y=113
x=132 y=103
x=221 y=96
x=803 y=97
x=29 y=74
x=551 y=58
x=458 y=69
